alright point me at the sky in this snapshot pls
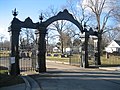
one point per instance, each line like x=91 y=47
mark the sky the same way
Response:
x=25 y=8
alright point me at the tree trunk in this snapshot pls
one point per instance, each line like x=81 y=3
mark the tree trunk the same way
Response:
x=62 y=46
x=86 y=50
x=99 y=49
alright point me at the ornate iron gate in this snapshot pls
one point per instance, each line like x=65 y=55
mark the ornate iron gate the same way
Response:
x=27 y=53
x=41 y=26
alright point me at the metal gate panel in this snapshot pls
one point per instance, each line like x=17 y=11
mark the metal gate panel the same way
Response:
x=27 y=62
x=4 y=60
x=27 y=52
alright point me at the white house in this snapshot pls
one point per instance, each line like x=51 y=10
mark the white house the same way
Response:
x=56 y=49
x=114 y=46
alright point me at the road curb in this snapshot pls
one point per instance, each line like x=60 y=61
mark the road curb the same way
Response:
x=31 y=84
x=27 y=84
x=110 y=68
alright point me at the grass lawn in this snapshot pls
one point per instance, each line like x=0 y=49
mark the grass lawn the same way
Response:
x=4 y=53
x=58 y=59
x=7 y=80
x=75 y=59
x=112 y=60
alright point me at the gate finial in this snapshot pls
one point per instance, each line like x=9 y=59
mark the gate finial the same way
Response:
x=15 y=13
x=41 y=17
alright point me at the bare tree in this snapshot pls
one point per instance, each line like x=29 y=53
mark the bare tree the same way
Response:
x=98 y=10
x=79 y=12
x=7 y=44
x=102 y=11
x=29 y=35
x=60 y=26
x=1 y=42
x=76 y=42
x=27 y=39
x=116 y=12
x=4 y=43
x=1 y=38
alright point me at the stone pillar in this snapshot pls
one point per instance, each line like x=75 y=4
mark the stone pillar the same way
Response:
x=42 y=50
x=14 y=57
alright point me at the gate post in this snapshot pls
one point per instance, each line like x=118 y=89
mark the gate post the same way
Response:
x=86 y=48
x=42 y=49
x=14 y=57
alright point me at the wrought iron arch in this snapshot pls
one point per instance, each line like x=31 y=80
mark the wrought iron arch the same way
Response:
x=15 y=29
x=42 y=29
x=65 y=15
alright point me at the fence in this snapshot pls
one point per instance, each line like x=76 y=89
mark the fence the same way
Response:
x=73 y=59
x=26 y=64
x=30 y=63
x=4 y=61
x=112 y=60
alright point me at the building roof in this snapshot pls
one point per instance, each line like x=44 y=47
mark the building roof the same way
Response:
x=117 y=41
x=114 y=44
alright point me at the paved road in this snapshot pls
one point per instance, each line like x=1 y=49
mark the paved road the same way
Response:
x=65 y=77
